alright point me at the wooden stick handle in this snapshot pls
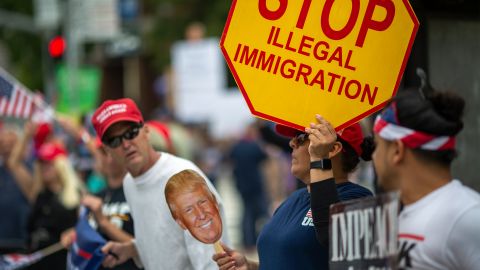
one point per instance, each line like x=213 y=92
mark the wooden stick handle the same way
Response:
x=218 y=247
x=51 y=249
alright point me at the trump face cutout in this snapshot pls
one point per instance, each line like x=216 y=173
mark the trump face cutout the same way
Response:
x=193 y=206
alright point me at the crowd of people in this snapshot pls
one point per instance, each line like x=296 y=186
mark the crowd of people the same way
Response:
x=140 y=212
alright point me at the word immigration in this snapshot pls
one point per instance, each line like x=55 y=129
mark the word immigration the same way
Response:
x=314 y=77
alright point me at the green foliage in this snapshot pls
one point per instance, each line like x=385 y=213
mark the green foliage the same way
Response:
x=24 y=49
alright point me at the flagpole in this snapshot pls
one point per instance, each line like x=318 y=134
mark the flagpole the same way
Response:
x=51 y=249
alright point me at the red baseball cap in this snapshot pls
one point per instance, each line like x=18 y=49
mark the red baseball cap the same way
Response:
x=49 y=151
x=353 y=135
x=114 y=111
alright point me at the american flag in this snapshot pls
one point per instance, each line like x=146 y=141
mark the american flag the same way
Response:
x=18 y=261
x=16 y=101
x=85 y=253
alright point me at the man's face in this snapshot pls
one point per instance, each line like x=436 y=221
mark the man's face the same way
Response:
x=382 y=157
x=134 y=153
x=48 y=172
x=197 y=212
x=110 y=167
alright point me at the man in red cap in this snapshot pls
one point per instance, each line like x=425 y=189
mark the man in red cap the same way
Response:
x=160 y=243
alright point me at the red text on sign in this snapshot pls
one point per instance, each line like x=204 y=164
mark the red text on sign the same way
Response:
x=368 y=23
x=307 y=46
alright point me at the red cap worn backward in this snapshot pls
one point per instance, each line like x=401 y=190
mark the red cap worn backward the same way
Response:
x=352 y=135
x=114 y=111
x=49 y=151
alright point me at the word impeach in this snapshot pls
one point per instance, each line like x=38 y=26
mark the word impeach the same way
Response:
x=363 y=233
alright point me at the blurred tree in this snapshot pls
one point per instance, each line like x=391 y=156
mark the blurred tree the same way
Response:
x=168 y=20
x=24 y=49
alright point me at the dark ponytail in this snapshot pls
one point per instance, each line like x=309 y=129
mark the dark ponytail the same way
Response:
x=368 y=146
x=349 y=157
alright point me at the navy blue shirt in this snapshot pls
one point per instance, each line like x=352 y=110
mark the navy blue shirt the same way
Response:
x=14 y=209
x=288 y=240
x=247 y=157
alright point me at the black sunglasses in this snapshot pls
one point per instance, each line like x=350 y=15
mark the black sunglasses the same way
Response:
x=130 y=134
x=299 y=139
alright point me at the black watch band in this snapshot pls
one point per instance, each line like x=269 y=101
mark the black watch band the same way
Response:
x=323 y=164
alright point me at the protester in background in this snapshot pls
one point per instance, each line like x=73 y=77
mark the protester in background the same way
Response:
x=53 y=190
x=109 y=207
x=160 y=242
x=208 y=153
x=415 y=147
x=193 y=206
x=247 y=157
x=92 y=157
x=288 y=240
x=13 y=204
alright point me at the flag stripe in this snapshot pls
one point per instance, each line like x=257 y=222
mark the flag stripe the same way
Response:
x=3 y=105
x=21 y=103
x=16 y=101
x=12 y=102
x=27 y=107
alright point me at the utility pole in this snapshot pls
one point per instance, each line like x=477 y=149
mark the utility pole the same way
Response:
x=47 y=20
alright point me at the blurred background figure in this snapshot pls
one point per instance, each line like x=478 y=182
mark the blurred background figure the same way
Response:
x=53 y=190
x=110 y=211
x=247 y=156
x=13 y=204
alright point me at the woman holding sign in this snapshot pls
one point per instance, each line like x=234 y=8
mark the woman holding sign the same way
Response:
x=288 y=240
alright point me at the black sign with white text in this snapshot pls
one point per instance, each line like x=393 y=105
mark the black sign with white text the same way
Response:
x=363 y=233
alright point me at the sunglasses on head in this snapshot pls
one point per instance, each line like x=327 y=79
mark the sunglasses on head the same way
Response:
x=130 y=134
x=300 y=138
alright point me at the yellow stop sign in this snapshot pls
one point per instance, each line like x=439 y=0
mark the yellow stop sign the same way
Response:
x=343 y=59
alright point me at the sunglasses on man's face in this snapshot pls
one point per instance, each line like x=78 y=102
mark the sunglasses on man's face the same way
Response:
x=300 y=139
x=130 y=134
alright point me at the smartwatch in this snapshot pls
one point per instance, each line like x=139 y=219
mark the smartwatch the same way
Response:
x=323 y=164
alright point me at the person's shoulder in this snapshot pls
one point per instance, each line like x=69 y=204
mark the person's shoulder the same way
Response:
x=297 y=195
x=348 y=191
x=468 y=195
x=171 y=159
x=464 y=231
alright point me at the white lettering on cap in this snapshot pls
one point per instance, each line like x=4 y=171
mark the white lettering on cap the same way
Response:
x=111 y=110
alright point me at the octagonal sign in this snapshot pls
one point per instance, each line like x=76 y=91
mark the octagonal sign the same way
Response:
x=343 y=59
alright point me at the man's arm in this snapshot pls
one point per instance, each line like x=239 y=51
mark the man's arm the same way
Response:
x=117 y=253
x=323 y=190
x=20 y=172
x=105 y=226
x=232 y=259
